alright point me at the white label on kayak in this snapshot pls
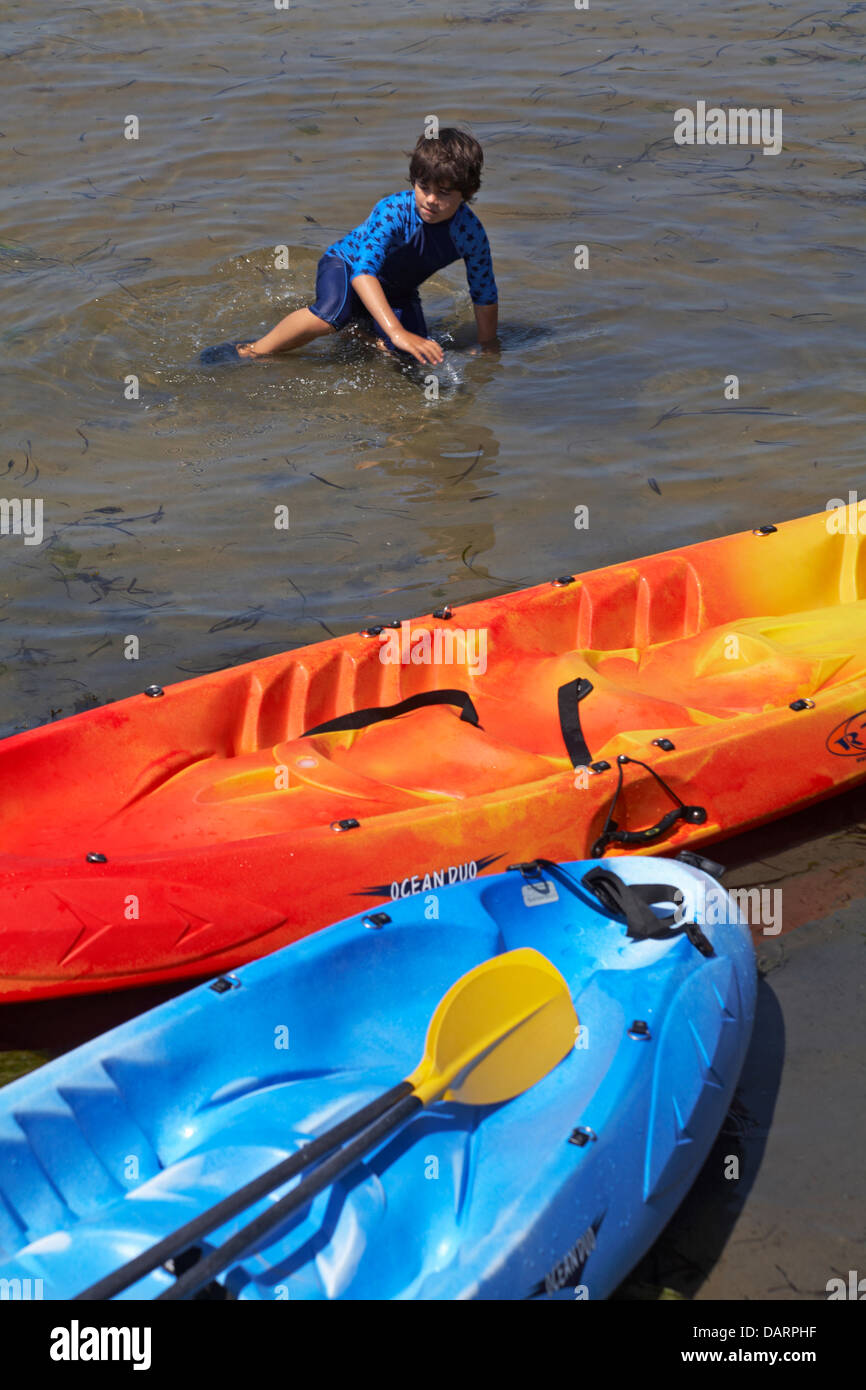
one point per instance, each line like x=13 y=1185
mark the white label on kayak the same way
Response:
x=542 y=891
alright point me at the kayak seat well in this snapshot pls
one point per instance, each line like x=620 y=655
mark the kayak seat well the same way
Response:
x=746 y=666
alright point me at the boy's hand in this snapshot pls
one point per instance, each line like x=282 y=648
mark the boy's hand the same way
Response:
x=422 y=349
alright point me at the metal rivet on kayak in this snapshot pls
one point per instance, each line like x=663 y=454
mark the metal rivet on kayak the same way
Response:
x=623 y=758
x=376 y=920
x=600 y=766
x=640 y=1030
x=395 y=622
x=764 y=530
x=563 y=580
x=445 y=612
x=349 y=824
x=154 y=691
x=582 y=1135
x=95 y=858
x=802 y=704
x=664 y=743
x=695 y=815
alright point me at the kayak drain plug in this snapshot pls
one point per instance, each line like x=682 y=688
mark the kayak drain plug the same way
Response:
x=154 y=691
x=639 y=1030
x=95 y=858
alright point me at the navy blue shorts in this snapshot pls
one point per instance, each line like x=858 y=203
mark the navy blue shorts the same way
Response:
x=338 y=304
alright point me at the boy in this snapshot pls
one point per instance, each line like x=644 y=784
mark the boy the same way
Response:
x=372 y=275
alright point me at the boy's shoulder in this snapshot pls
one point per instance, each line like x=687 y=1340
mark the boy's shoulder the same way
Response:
x=394 y=204
x=467 y=224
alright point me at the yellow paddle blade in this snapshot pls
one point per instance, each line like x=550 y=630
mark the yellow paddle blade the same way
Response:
x=498 y=1030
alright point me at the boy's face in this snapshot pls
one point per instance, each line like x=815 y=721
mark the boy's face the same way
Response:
x=435 y=202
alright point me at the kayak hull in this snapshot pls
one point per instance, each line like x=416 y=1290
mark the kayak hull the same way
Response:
x=166 y=836
x=113 y=1146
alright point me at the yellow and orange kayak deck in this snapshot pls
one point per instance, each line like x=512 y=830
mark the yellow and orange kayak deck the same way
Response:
x=182 y=832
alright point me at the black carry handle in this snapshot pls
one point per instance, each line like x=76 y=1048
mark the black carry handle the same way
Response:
x=361 y=718
x=633 y=901
x=695 y=815
x=610 y=835
x=230 y=1206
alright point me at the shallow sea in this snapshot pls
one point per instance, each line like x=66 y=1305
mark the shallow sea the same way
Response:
x=261 y=128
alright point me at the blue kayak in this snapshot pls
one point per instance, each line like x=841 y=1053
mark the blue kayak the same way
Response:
x=557 y=1192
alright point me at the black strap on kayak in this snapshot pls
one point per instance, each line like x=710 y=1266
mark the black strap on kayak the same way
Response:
x=611 y=834
x=568 y=699
x=633 y=901
x=361 y=718
x=629 y=900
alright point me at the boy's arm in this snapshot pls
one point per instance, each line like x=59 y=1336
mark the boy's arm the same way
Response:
x=487 y=322
x=470 y=241
x=372 y=296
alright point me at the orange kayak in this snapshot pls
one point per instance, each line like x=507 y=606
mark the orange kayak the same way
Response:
x=646 y=706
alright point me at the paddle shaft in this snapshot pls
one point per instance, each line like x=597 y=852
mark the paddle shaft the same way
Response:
x=230 y=1206
x=324 y=1176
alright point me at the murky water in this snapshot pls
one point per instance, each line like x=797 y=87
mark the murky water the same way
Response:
x=261 y=128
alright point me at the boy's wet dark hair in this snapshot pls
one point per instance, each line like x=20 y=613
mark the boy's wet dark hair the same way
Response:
x=454 y=160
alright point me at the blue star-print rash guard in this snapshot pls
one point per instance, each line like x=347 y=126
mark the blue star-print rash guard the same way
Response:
x=402 y=251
